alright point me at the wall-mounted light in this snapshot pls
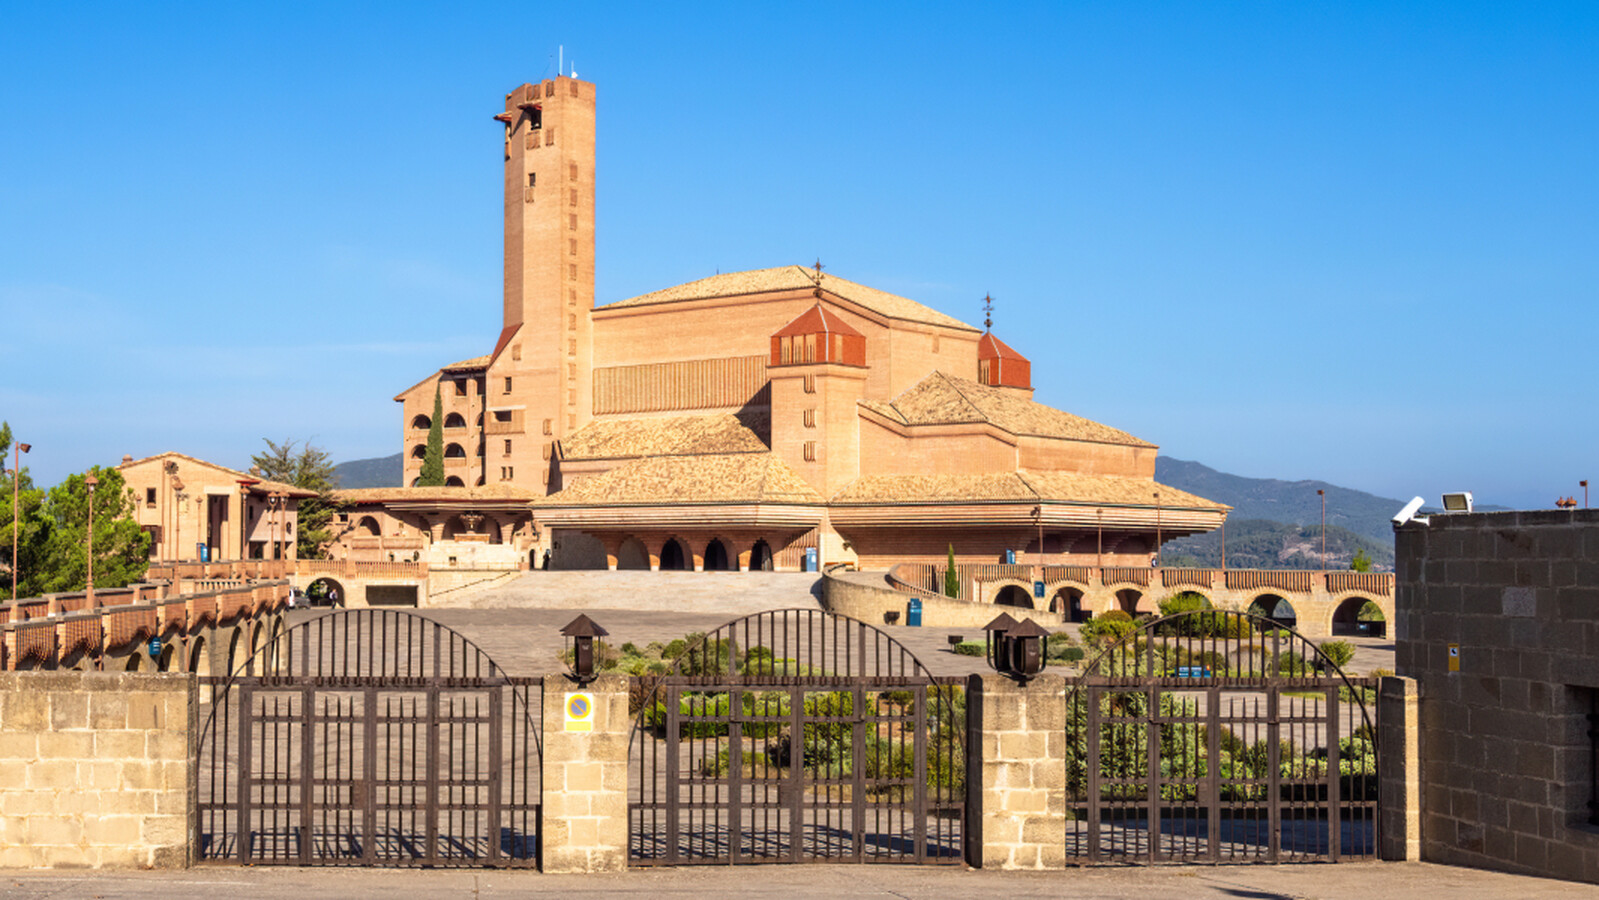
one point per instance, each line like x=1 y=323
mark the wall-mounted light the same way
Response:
x=582 y=631
x=1459 y=502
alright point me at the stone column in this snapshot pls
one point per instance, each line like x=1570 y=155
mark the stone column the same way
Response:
x=584 y=826
x=1399 y=768
x=613 y=549
x=1016 y=779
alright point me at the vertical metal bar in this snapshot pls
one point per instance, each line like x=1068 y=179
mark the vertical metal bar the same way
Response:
x=246 y=762
x=673 y=804
x=735 y=777
x=369 y=775
x=496 y=760
x=431 y=803
x=1213 y=770
x=796 y=767
x=307 y=773
x=1152 y=765
x=1334 y=794
x=919 y=787
x=1091 y=759
x=1274 y=789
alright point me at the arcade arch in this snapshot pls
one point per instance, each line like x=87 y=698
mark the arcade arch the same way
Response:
x=673 y=559
x=1013 y=595
x=1358 y=617
x=1275 y=608
x=716 y=556
x=632 y=555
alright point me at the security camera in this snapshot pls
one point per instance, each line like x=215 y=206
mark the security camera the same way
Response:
x=1409 y=512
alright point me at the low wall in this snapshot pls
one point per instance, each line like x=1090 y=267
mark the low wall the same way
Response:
x=96 y=769
x=851 y=596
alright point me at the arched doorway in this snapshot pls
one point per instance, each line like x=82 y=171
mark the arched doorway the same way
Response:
x=673 y=559
x=325 y=590
x=169 y=654
x=199 y=657
x=1359 y=617
x=761 y=557
x=1275 y=608
x=632 y=555
x=1011 y=595
x=1127 y=600
x=135 y=660
x=454 y=481
x=715 y=556
x=234 y=639
x=368 y=527
x=1069 y=603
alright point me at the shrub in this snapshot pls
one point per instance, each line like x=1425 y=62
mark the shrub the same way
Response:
x=1339 y=652
x=1108 y=627
x=1187 y=601
x=971 y=648
x=631 y=649
x=1292 y=665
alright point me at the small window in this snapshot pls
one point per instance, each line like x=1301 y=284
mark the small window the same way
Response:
x=549 y=138
x=572 y=247
x=547 y=426
x=502 y=415
x=984 y=370
x=571 y=397
x=572 y=171
x=571 y=347
x=507 y=384
x=149 y=496
x=810 y=418
x=574 y=87
x=532 y=178
x=507 y=446
x=516 y=352
x=546 y=451
x=785 y=350
x=810 y=384
x=571 y=320
x=810 y=451
x=460 y=387
x=571 y=296
x=571 y=271
x=810 y=348
x=571 y=371
x=573 y=201
x=571 y=223
x=935 y=343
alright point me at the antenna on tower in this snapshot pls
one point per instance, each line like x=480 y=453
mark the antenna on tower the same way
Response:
x=560 y=67
x=988 y=311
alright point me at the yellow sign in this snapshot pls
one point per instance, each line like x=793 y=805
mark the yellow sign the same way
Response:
x=1454 y=657
x=580 y=712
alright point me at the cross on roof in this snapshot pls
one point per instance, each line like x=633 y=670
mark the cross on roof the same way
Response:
x=988 y=311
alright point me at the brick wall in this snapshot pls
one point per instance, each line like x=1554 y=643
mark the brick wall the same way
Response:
x=1506 y=763
x=95 y=769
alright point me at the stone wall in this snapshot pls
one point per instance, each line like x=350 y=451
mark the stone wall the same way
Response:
x=96 y=769
x=849 y=595
x=1506 y=762
x=584 y=825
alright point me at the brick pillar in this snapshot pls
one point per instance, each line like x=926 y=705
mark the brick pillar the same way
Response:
x=584 y=827
x=1016 y=779
x=1399 y=769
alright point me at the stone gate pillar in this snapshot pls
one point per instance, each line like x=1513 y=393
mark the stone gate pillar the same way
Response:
x=1399 y=770
x=1016 y=772
x=584 y=827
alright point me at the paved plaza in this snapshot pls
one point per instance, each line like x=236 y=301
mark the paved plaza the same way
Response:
x=1354 y=881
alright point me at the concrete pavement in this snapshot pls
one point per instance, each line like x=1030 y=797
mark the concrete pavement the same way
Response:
x=1354 y=881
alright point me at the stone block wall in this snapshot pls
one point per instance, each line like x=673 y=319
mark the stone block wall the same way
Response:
x=1505 y=758
x=585 y=779
x=1016 y=784
x=96 y=769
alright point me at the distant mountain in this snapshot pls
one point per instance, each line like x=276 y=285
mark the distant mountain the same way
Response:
x=1292 y=502
x=1263 y=544
x=382 y=471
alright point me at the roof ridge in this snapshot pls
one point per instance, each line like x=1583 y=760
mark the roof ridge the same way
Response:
x=1021 y=475
x=951 y=381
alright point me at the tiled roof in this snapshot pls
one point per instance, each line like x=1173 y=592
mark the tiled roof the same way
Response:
x=817 y=320
x=990 y=347
x=1022 y=486
x=791 y=278
x=941 y=399
x=621 y=438
x=476 y=362
x=663 y=480
x=257 y=483
x=436 y=494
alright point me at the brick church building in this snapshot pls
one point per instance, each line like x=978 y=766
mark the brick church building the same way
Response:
x=774 y=418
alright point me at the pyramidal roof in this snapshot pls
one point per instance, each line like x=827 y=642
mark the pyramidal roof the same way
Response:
x=941 y=399
x=795 y=278
x=990 y=347
x=817 y=320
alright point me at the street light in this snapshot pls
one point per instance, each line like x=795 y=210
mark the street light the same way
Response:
x=583 y=630
x=1323 y=495
x=91 y=483
x=16 y=519
x=1158 y=540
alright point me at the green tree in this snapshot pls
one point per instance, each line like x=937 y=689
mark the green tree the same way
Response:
x=311 y=468
x=1361 y=561
x=121 y=547
x=31 y=527
x=952 y=578
x=433 y=462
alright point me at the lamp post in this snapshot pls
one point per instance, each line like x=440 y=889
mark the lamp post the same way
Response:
x=1158 y=541
x=1323 y=495
x=583 y=630
x=1038 y=516
x=1584 y=484
x=91 y=483
x=16 y=518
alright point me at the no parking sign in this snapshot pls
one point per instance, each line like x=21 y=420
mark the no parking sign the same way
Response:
x=580 y=711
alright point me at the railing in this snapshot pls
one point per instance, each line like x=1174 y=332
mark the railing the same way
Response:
x=387 y=543
x=127 y=626
x=1281 y=579
x=359 y=568
x=927 y=579
x=1364 y=582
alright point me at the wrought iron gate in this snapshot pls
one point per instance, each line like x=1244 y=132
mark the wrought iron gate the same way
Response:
x=1216 y=736
x=370 y=737
x=797 y=736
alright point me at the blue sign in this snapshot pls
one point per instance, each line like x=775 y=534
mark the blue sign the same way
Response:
x=155 y=647
x=1038 y=589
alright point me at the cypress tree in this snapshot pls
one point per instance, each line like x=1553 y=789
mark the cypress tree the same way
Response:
x=433 y=462
x=952 y=578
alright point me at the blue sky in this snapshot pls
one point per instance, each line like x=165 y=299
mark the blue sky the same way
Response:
x=1350 y=242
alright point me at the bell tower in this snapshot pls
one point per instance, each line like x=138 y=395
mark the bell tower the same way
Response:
x=538 y=381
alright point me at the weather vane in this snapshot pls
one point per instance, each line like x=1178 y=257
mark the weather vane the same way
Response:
x=988 y=311
x=817 y=279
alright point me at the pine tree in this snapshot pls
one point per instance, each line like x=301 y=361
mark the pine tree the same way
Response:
x=952 y=578
x=433 y=462
x=311 y=468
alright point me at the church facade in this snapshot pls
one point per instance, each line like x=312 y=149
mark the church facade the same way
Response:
x=778 y=418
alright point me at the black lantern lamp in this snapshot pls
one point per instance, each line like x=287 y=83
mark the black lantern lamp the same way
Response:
x=1027 y=650
x=582 y=630
x=996 y=635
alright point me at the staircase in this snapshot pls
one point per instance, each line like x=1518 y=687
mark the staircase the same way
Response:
x=729 y=593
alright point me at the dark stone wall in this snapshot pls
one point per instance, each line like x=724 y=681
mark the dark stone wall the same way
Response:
x=1506 y=762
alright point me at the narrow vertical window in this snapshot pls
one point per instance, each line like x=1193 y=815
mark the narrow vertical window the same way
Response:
x=507 y=446
x=507 y=384
x=810 y=451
